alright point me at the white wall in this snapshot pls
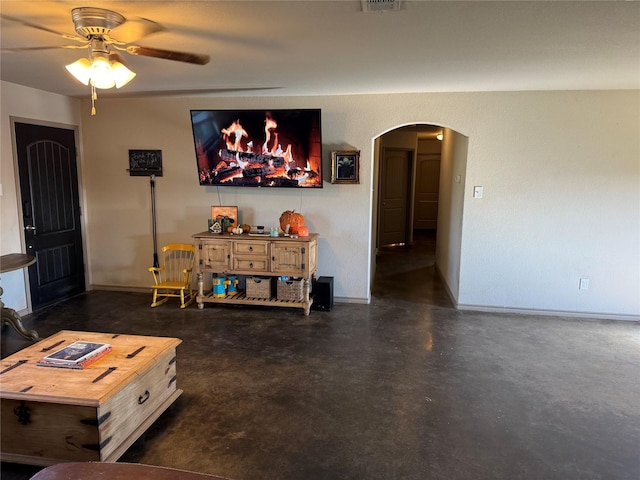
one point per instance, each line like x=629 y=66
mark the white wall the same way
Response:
x=453 y=167
x=33 y=106
x=560 y=174
x=561 y=177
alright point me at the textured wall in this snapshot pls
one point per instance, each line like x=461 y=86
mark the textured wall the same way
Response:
x=560 y=174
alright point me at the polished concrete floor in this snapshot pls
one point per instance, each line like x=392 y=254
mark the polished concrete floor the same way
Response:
x=403 y=388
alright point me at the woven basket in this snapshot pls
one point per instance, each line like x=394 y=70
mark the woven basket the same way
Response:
x=258 y=287
x=290 y=290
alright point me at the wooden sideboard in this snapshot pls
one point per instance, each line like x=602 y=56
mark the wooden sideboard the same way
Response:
x=261 y=255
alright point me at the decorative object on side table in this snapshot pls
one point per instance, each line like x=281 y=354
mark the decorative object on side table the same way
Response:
x=303 y=231
x=226 y=215
x=291 y=221
x=214 y=226
x=345 y=166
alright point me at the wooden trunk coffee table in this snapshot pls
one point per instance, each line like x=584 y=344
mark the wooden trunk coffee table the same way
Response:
x=51 y=415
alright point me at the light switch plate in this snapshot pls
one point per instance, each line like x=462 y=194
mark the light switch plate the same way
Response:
x=478 y=191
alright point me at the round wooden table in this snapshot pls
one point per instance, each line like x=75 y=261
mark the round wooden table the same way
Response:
x=8 y=263
x=117 y=471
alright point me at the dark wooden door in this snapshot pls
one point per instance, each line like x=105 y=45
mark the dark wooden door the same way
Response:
x=427 y=184
x=51 y=211
x=425 y=214
x=395 y=181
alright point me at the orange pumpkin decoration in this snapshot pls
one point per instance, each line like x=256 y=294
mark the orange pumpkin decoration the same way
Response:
x=293 y=219
x=303 y=231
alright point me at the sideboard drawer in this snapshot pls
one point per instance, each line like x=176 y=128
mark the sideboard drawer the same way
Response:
x=251 y=248
x=251 y=265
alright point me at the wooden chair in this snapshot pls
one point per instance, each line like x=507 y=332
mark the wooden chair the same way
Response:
x=173 y=277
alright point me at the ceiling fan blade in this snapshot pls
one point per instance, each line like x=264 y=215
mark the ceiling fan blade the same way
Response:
x=168 y=54
x=44 y=29
x=26 y=49
x=134 y=30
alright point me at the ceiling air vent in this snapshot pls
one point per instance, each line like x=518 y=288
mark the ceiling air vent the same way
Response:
x=380 y=5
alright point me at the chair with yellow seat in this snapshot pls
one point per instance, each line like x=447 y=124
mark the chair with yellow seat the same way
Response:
x=173 y=277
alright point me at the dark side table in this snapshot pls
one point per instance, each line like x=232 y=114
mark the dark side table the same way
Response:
x=8 y=263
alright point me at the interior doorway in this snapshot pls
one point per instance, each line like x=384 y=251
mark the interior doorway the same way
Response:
x=408 y=179
x=406 y=204
x=445 y=171
x=395 y=205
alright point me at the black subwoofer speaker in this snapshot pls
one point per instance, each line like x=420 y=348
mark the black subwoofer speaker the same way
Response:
x=323 y=299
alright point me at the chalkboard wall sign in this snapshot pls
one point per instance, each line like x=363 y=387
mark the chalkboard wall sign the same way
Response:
x=145 y=163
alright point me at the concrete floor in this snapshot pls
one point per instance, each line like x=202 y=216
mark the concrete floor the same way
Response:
x=403 y=388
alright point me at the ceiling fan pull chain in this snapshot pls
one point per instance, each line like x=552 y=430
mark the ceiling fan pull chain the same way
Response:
x=94 y=96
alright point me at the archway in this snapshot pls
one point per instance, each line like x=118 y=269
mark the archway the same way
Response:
x=432 y=175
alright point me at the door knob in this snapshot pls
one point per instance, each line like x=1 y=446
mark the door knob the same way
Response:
x=30 y=228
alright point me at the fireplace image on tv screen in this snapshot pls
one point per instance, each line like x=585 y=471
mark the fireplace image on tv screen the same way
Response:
x=258 y=148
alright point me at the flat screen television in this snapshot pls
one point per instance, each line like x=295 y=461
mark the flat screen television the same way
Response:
x=258 y=148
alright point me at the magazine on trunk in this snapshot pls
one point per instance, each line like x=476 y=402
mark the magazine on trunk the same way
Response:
x=78 y=355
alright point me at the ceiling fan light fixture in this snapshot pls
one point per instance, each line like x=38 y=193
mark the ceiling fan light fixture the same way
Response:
x=121 y=74
x=101 y=73
x=80 y=69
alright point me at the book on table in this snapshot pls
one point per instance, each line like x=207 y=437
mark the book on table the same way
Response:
x=78 y=355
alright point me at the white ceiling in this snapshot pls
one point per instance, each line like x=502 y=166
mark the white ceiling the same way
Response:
x=320 y=47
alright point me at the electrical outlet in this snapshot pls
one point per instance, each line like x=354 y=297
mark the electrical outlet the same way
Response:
x=584 y=284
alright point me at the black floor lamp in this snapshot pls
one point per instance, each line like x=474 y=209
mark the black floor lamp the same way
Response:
x=152 y=182
x=148 y=163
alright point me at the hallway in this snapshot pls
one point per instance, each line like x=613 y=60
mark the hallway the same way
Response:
x=409 y=272
x=404 y=388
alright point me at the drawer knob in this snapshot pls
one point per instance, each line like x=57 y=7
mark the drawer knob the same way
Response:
x=144 y=397
x=251 y=265
x=250 y=248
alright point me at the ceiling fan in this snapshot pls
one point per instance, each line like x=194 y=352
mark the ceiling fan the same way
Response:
x=104 y=33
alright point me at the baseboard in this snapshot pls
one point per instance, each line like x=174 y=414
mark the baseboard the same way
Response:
x=351 y=300
x=457 y=306
x=549 y=313
x=125 y=288
x=121 y=288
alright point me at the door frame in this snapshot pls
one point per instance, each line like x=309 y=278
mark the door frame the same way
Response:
x=411 y=153
x=376 y=147
x=81 y=197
